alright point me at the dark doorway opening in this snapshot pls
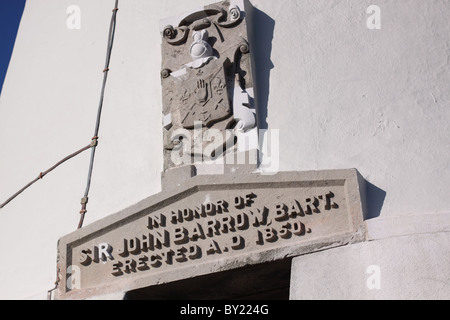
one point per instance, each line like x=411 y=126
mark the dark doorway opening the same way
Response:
x=267 y=281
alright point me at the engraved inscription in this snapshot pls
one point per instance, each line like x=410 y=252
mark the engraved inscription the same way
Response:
x=210 y=229
x=213 y=224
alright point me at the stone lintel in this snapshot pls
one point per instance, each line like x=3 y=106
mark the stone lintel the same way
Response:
x=213 y=223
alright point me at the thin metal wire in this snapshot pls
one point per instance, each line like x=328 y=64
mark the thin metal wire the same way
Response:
x=43 y=174
x=49 y=292
x=94 y=143
x=112 y=30
x=91 y=146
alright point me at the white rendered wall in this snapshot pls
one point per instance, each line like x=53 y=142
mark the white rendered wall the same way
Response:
x=408 y=267
x=342 y=96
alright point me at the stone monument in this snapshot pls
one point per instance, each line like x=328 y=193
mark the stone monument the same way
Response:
x=210 y=223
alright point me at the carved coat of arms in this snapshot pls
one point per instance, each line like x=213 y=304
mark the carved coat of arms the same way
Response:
x=206 y=73
x=205 y=99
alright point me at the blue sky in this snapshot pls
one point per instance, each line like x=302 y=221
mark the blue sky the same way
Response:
x=10 y=14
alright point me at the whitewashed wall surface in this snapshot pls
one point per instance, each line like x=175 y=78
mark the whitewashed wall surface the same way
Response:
x=349 y=84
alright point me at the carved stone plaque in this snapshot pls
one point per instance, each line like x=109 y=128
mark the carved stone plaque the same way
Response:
x=211 y=224
x=206 y=77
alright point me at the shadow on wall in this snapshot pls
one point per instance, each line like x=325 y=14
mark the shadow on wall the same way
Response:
x=375 y=200
x=262 y=34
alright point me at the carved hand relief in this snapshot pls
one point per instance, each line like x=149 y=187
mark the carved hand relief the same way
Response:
x=206 y=78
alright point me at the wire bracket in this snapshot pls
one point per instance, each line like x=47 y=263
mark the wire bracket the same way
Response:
x=94 y=142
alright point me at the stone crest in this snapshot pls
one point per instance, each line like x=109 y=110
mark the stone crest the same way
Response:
x=205 y=99
x=206 y=75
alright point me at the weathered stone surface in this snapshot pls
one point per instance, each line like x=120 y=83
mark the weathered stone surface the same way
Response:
x=210 y=224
